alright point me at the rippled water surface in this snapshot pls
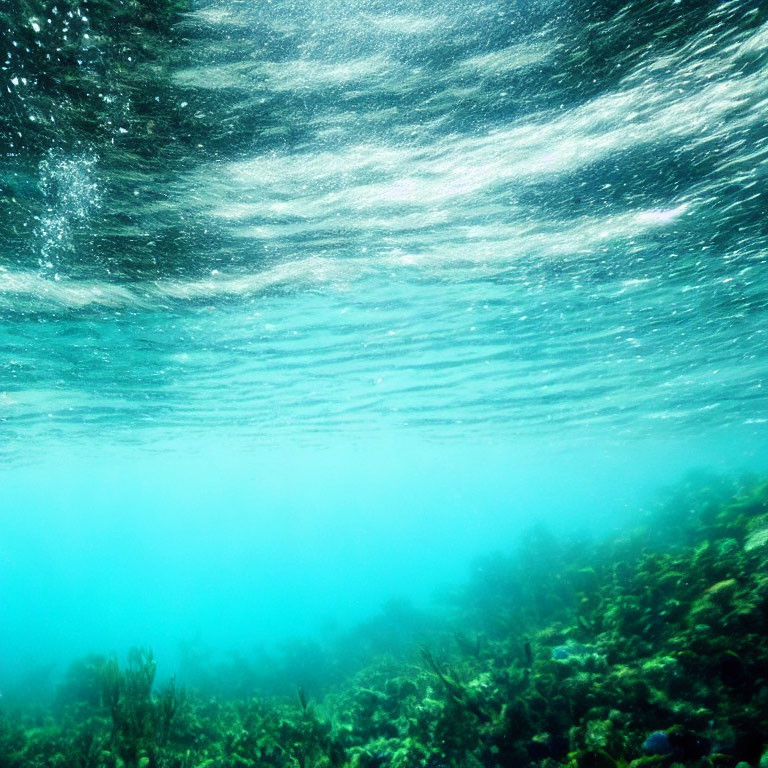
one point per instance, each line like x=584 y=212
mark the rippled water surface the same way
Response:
x=322 y=219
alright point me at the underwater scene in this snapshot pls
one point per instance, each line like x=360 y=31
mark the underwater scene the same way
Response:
x=383 y=384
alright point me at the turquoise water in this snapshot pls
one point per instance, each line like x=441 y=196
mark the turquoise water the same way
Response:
x=311 y=303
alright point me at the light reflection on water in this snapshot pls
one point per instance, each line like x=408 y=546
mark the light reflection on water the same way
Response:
x=421 y=235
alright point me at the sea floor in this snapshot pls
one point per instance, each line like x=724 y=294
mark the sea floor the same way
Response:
x=647 y=650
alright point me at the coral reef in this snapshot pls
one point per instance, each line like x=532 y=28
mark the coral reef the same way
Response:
x=650 y=651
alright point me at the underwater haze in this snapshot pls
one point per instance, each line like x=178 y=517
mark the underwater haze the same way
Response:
x=396 y=351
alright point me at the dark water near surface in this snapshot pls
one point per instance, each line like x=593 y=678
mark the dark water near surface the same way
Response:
x=424 y=266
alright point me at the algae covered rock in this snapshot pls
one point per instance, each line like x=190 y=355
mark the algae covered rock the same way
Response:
x=723 y=592
x=757 y=540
